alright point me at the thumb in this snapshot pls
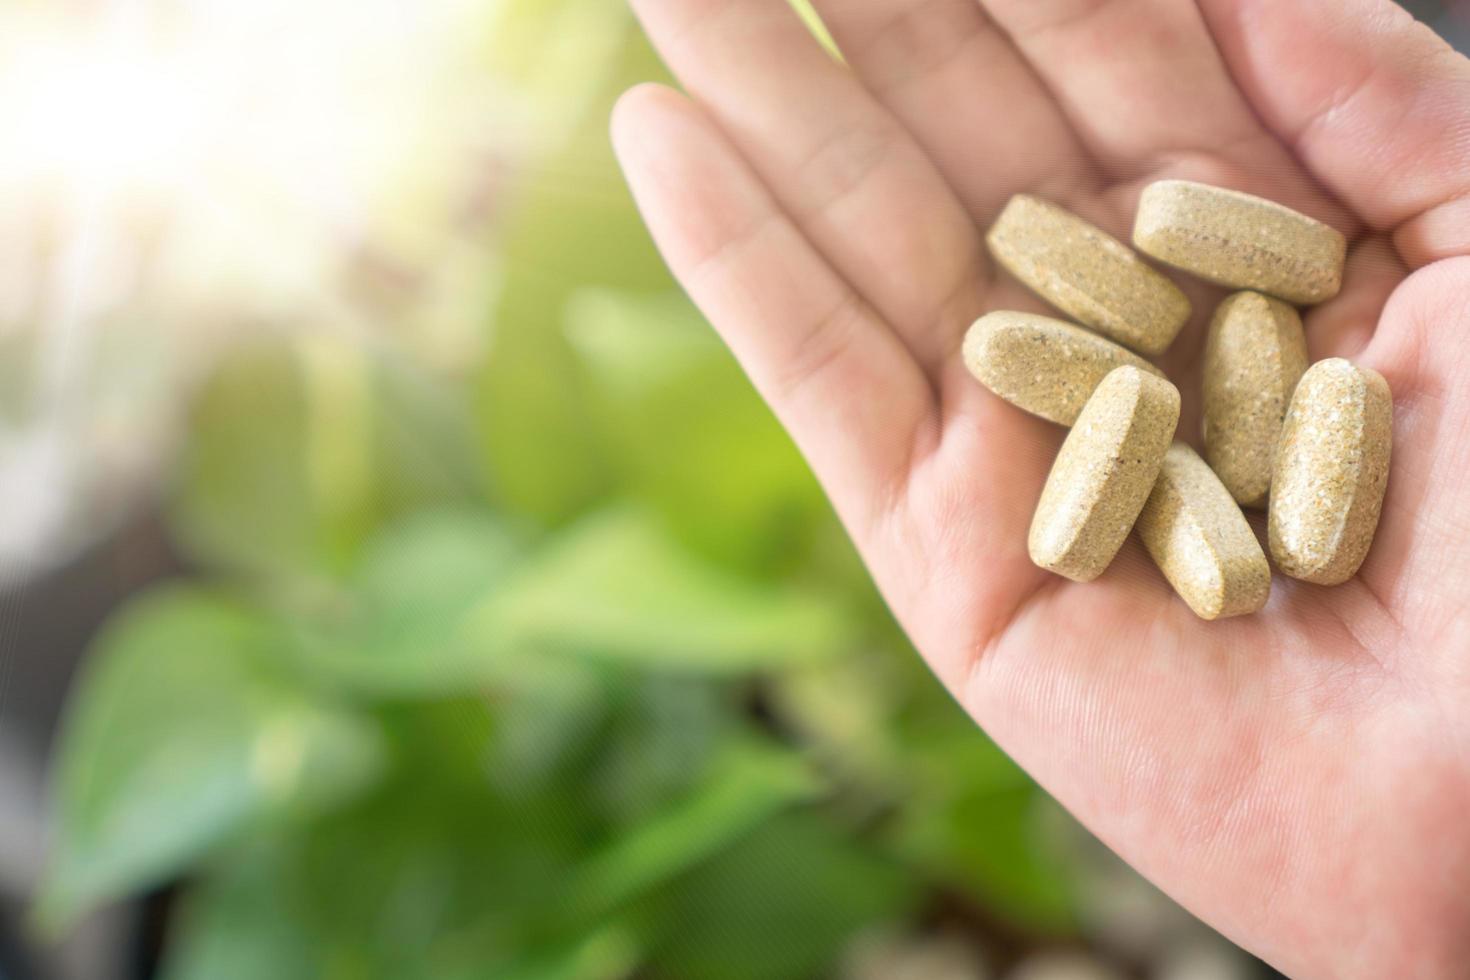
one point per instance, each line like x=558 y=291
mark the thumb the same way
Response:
x=1373 y=102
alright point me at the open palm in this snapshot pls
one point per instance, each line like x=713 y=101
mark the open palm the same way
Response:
x=1300 y=778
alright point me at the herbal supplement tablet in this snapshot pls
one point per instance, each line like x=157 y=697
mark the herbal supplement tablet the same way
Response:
x=1044 y=366
x=1103 y=474
x=1196 y=534
x=1255 y=355
x=1240 y=241
x=1088 y=274
x=1331 y=472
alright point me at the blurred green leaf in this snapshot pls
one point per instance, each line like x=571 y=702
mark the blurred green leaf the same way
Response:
x=846 y=709
x=688 y=432
x=573 y=226
x=435 y=875
x=179 y=734
x=237 y=926
x=616 y=585
x=748 y=784
x=779 y=905
x=549 y=711
x=424 y=441
x=299 y=450
x=242 y=925
x=604 y=954
x=277 y=477
x=974 y=821
x=536 y=433
x=404 y=634
x=665 y=731
x=432 y=563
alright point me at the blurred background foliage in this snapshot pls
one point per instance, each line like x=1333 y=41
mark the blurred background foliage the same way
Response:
x=511 y=637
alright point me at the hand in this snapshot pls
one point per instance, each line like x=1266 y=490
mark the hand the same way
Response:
x=1301 y=778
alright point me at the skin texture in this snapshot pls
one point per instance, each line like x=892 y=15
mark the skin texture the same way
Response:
x=1318 y=817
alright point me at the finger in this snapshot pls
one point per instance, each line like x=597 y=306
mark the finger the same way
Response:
x=854 y=181
x=848 y=391
x=1416 y=564
x=1140 y=79
x=958 y=84
x=1344 y=325
x=1376 y=105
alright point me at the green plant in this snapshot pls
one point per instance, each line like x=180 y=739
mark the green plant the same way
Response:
x=561 y=668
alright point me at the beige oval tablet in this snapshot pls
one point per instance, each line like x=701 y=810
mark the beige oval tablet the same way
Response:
x=1254 y=357
x=1088 y=274
x=1103 y=474
x=1240 y=241
x=1331 y=472
x=1044 y=366
x=1196 y=534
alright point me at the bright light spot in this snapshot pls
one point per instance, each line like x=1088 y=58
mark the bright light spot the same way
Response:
x=239 y=124
x=278 y=755
x=174 y=173
x=97 y=116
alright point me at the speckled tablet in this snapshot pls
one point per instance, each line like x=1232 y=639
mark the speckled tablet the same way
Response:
x=1088 y=274
x=1044 y=366
x=1255 y=355
x=1240 y=241
x=1194 y=531
x=1103 y=474
x=1331 y=472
